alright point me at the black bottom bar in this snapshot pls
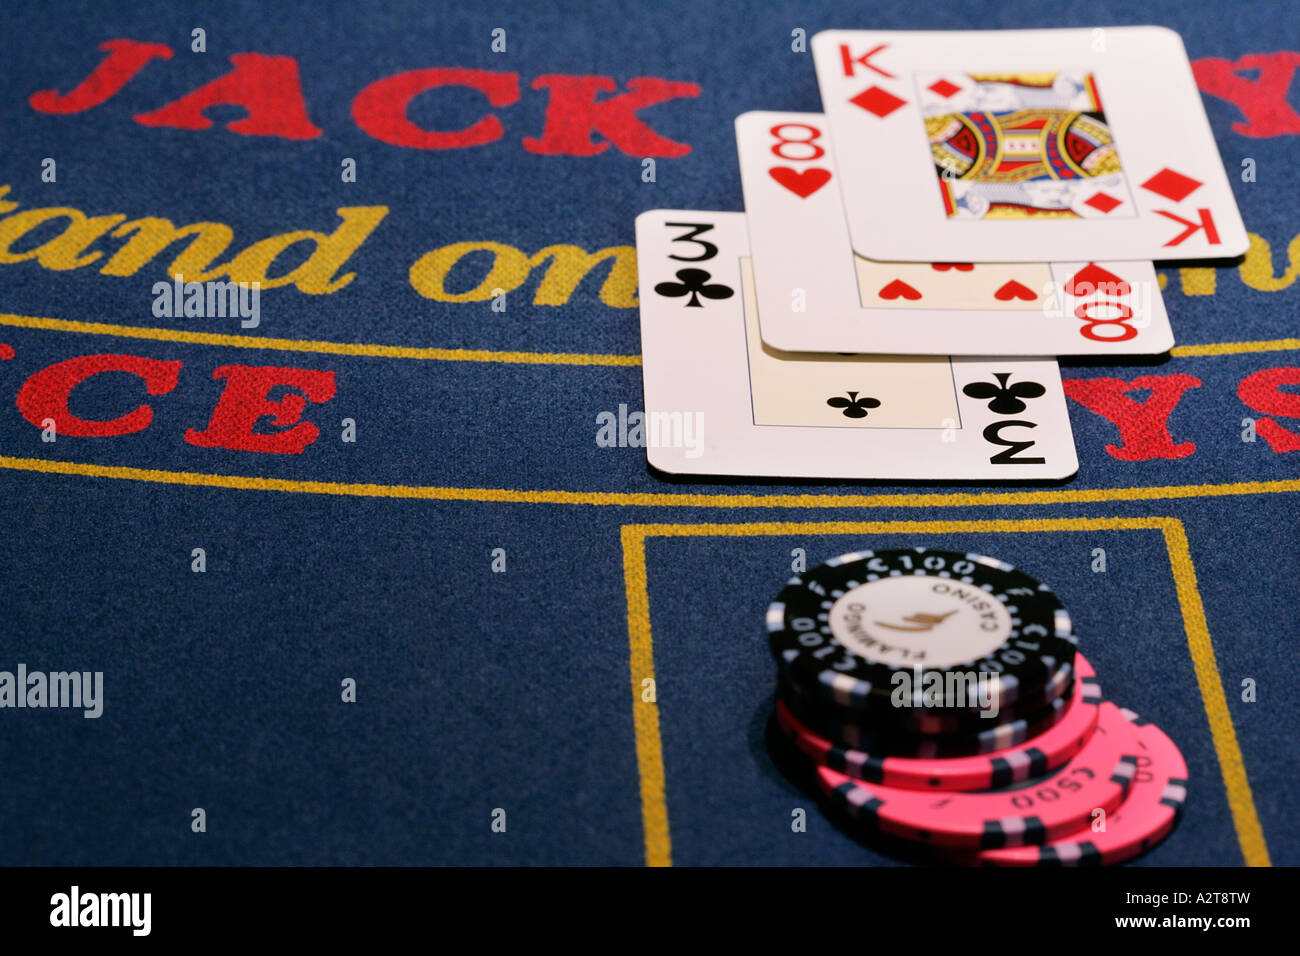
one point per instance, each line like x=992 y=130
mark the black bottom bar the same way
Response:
x=334 y=905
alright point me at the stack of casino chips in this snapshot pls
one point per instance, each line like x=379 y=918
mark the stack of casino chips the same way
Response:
x=902 y=673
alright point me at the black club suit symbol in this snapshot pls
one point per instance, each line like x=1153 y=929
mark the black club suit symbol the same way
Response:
x=1006 y=398
x=695 y=283
x=853 y=407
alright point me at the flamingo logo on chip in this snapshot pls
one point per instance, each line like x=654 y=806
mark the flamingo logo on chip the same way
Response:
x=913 y=620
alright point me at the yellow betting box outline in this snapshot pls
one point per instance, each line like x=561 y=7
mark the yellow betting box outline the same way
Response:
x=645 y=716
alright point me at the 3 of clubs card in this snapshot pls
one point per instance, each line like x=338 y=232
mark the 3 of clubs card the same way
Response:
x=718 y=401
x=1024 y=145
x=815 y=293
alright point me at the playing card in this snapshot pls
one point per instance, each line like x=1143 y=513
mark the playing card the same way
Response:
x=718 y=401
x=1023 y=145
x=815 y=294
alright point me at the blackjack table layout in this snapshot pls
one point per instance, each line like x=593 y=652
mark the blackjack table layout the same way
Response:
x=329 y=530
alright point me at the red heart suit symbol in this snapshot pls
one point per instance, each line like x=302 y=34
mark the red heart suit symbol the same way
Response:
x=945 y=266
x=1093 y=278
x=803 y=183
x=1014 y=290
x=899 y=289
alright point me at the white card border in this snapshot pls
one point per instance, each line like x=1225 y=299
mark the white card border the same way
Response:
x=835 y=320
x=682 y=374
x=913 y=191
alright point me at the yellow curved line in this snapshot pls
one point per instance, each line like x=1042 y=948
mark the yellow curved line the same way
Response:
x=365 y=350
x=306 y=345
x=1233 y=348
x=647 y=499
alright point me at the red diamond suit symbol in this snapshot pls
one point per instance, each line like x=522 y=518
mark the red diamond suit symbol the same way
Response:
x=878 y=101
x=1103 y=202
x=1172 y=185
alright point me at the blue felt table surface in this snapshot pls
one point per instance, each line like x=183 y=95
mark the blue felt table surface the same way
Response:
x=480 y=691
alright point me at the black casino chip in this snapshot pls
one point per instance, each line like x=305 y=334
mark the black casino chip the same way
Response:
x=916 y=629
x=886 y=741
x=885 y=717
